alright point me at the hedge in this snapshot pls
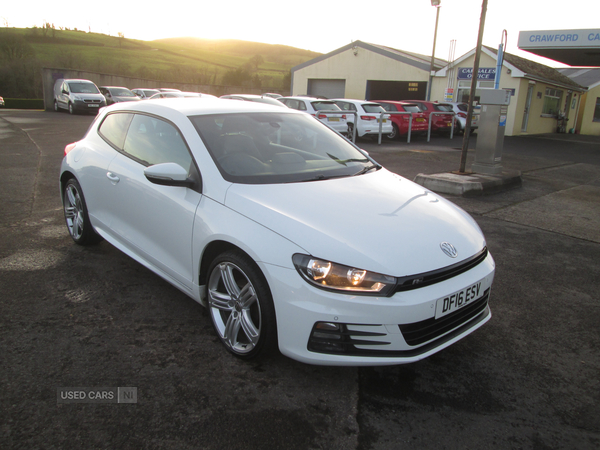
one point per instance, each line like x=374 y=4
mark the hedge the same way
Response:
x=24 y=103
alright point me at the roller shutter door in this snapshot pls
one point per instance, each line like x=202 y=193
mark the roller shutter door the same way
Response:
x=327 y=88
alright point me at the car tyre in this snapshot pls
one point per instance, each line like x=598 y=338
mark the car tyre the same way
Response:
x=76 y=215
x=56 y=106
x=395 y=132
x=241 y=306
x=71 y=110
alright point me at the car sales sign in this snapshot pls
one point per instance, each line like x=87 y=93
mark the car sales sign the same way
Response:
x=484 y=73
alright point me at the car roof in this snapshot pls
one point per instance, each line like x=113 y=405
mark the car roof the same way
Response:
x=199 y=106
x=310 y=99
x=351 y=100
x=397 y=102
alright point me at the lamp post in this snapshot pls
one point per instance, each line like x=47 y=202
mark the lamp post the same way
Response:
x=437 y=5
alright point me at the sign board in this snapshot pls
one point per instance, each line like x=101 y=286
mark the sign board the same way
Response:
x=449 y=95
x=559 y=39
x=484 y=73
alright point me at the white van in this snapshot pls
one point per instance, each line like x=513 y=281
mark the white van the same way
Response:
x=77 y=95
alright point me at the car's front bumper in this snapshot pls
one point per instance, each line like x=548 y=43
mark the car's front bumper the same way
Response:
x=88 y=106
x=374 y=330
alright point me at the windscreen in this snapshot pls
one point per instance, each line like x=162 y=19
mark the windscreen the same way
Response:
x=81 y=87
x=268 y=148
x=119 y=92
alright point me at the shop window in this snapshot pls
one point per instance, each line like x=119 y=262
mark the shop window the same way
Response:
x=552 y=101
x=597 y=110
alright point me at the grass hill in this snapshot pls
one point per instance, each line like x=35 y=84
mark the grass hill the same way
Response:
x=184 y=60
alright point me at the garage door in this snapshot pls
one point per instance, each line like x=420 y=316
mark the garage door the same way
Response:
x=396 y=90
x=327 y=88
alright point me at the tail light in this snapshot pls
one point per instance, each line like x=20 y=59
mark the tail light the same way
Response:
x=368 y=118
x=462 y=114
x=344 y=116
x=322 y=116
x=70 y=147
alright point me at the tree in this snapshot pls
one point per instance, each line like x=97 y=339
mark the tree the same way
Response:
x=14 y=47
x=256 y=61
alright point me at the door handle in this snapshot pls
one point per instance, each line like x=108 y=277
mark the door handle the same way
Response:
x=112 y=177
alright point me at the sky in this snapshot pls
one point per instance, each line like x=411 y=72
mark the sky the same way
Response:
x=321 y=26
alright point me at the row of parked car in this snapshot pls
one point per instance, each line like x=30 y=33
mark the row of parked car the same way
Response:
x=356 y=117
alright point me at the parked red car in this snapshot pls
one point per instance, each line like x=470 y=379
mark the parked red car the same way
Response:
x=441 y=123
x=400 y=121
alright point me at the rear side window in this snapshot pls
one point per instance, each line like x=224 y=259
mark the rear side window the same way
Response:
x=345 y=106
x=295 y=104
x=389 y=107
x=443 y=107
x=114 y=129
x=412 y=108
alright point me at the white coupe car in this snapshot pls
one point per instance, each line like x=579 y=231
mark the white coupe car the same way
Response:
x=291 y=236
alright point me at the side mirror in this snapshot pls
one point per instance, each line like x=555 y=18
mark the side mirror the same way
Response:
x=168 y=174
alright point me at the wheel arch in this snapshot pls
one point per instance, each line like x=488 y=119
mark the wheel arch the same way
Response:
x=64 y=177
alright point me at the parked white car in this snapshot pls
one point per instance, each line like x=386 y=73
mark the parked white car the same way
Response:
x=179 y=94
x=317 y=107
x=289 y=234
x=368 y=117
x=145 y=93
x=461 y=110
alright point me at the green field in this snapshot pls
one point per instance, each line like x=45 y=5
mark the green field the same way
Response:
x=184 y=60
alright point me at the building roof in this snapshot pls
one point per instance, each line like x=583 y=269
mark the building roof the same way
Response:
x=585 y=76
x=422 y=62
x=536 y=70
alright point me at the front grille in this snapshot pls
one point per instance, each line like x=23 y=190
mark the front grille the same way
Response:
x=92 y=101
x=436 y=276
x=426 y=330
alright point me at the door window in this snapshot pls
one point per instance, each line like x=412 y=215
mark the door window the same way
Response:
x=114 y=129
x=155 y=141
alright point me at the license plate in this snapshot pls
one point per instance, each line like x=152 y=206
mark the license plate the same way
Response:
x=93 y=105
x=419 y=119
x=379 y=120
x=333 y=119
x=448 y=124
x=459 y=299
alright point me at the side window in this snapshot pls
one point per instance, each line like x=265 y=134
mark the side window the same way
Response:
x=292 y=104
x=154 y=141
x=301 y=106
x=114 y=128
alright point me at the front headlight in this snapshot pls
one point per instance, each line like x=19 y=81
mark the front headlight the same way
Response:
x=337 y=277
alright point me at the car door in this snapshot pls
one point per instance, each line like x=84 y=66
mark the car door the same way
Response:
x=154 y=222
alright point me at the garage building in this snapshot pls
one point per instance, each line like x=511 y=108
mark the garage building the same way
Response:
x=362 y=70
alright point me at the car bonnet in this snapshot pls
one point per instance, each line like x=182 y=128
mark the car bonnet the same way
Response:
x=377 y=221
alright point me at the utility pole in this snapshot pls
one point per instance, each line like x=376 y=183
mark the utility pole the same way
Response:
x=437 y=5
x=465 y=146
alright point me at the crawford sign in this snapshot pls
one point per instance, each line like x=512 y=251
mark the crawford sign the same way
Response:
x=559 y=39
x=485 y=73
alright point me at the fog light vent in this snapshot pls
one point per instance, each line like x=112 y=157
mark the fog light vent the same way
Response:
x=329 y=337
